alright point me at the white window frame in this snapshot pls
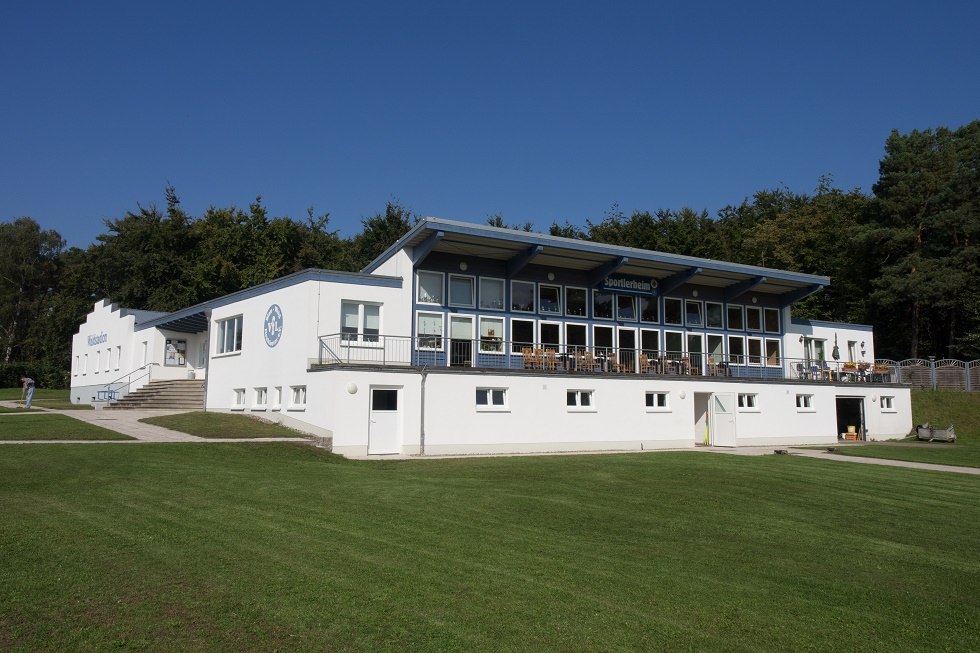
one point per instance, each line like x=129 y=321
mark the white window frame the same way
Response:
x=612 y=305
x=585 y=301
x=748 y=402
x=276 y=398
x=779 y=352
x=487 y=346
x=661 y=401
x=561 y=334
x=755 y=360
x=439 y=339
x=576 y=325
x=738 y=308
x=361 y=337
x=297 y=397
x=699 y=305
x=238 y=399
x=683 y=338
x=679 y=301
x=721 y=315
x=887 y=403
x=804 y=403
x=515 y=345
x=753 y=310
x=118 y=356
x=579 y=406
x=503 y=293
x=557 y=289
x=770 y=311
x=221 y=329
x=534 y=296
x=428 y=299
x=472 y=284
x=261 y=398
x=491 y=395
x=636 y=311
x=734 y=358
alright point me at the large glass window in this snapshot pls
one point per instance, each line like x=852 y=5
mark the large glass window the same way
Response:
x=491 y=334
x=772 y=352
x=713 y=318
x=549 y=299
x=649 y=309
x=753 y=318
x=650 y=342
x=735 y=320
x=429 y=328
x=626 y=308
x=550 y=334
x=673 y=343
x=521 y=334
x=462 y=291
x=772 y=320
x=602 y=305
x=522 y=296
x=575 y=337
x=360 y=321
x=492 y=294
x=575 y=300
x=755 y=351
x=430 y=287
x=736 y=350
x=692 y=313
x=230 y=335
x=673 y=311
x=602 y=339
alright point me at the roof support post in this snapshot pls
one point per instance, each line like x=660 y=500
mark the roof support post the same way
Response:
x=675 y=281
x=604 y=270
x=742 y=287
x=521 y=261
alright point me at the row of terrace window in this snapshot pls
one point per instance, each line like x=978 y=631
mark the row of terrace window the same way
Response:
x=570 y=336
x=487 y=293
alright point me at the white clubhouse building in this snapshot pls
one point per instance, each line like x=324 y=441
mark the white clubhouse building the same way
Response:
x=466 y=338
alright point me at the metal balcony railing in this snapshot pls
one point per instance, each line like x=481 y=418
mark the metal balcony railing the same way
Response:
x=496 y=353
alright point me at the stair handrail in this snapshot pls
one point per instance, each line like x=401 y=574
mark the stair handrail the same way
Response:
x=111 y=394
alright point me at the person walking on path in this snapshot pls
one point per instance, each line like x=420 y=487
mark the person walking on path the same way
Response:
x=27 y=394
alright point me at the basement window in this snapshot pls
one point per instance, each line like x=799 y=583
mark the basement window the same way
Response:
x=238 y=402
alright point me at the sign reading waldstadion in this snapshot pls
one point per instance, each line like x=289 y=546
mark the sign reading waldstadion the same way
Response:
x=629 y=284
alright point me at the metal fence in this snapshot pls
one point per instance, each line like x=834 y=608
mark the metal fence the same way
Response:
x=943 y=374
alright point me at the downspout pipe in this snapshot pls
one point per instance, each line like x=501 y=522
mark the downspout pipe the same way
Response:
x=425 y=374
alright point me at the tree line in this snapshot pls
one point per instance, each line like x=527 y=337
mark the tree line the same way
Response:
x=904 y=258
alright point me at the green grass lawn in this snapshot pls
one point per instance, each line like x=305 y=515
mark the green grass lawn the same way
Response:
x=962 y=409
x=222 y=425
x=45 y=398
x=52 y=427
x=282 y=547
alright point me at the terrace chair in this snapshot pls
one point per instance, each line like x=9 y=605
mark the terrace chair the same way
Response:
x=527 y=355
x=589 y=363
x=645 y=364
x=579 y=360
x=685 y=367
x=712 y=366
x=550 y=360
x=538 y=358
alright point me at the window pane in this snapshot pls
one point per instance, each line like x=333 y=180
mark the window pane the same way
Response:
x=650 y=400
x=712 y=315
x=625 y=307
x=384 y=399
x=753 y=318
x=460 y=291
x=649 y=342
x=549 y=298
x=735 y=318
x=575 y=335
x=693 y=313
x=492 y=294
x=481 y=397
x=585 y=398
x=736 y=349
x=498 y=397
x=673 y=342
x=430 y=287
x=602 y=336
x=522 y=296
x=672 y=311
x=521 y=334
x=602 y=304
x=570 y=399
x=550 y=333
x=575 y=299
x=348 y=320
x=649 y=309
x=772 y=320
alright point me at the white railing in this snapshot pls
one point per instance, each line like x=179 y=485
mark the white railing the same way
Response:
x=115 y=390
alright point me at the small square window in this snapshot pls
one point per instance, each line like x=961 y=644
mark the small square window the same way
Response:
x=888 y=405
x=579 y=400
x=602 y=305
x=748 y=401
x=549 y=299
x=753 y=318
x=804 y=403
x=430 y=287
x=491 y=399
x=239 y=399
x=657 y=401
x=575 y=300
x=462 y=291
x=522 y=296
x=261 y=398
x=736 y=320
x=277 y=397
x=297 y=397
x=492 y=294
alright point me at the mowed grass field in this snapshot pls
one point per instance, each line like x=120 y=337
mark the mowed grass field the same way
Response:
x=283 y=547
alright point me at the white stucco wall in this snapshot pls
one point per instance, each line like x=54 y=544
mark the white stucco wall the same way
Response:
x=111 y=335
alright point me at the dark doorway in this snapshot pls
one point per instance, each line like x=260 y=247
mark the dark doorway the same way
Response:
x=850 y=413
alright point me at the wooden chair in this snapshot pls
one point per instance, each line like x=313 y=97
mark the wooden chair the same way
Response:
x=579 y=360
x=589 y=362
x=712 y=366
x=550 y=360
x=527 y=355
x=685 y=367
x=645 y=364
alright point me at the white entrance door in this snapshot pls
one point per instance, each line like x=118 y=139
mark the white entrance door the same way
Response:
x=384 y=429
x=721 y=418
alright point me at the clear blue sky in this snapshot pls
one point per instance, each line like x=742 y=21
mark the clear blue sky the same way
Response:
x=538 y=111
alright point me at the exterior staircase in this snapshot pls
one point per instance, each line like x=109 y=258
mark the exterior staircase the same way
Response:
x=175 y=394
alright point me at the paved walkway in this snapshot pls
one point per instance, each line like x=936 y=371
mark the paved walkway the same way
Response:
x=128 y=423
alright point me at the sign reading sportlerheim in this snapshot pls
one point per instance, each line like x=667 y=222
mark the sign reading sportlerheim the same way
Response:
x=629 y=284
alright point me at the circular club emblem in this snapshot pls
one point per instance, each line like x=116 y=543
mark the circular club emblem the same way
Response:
x=273 y=325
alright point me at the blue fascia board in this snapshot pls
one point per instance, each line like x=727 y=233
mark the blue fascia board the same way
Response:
x=272 y=286
x=802 y=321
x=530 y=238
